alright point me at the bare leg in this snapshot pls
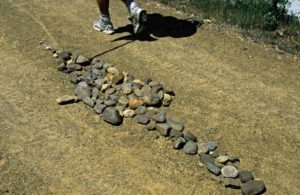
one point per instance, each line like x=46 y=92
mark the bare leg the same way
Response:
x=103 y=6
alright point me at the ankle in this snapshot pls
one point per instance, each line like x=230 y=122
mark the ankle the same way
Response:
x=105 y=17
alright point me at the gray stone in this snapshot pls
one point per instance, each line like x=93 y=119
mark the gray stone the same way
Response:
x=190 y=148
x=176 y=125
x=151 y=100
x=88 y=101
x=138 y=92
x=110 y=103
x=163 y=128
x=141 y=110
x=206 y=159
x=98 y=65
x=253 y=187
x=127 y=89
x=215 y=178
x=211 y=145
x=82 y=60
x=128 y=113
x=151 y=125
x=245 y=176
x=190 y=136
x=175 y=134
x=202 y=148
x=82 y=90
x=67 y=99
x=114 y=97
x=142 y=119
x=61 y=65
x=99 y=107
x=64 y=55
x=229 y=171
x=213 y=169
x=117 y=78
x=74 y=78
x=110 y=91
x=179 y=143
x=232 y=183
x=159 y=117
x=74 y=67
x=112 y=116
x=222 y=159
x=123 y=100
x=234 y=159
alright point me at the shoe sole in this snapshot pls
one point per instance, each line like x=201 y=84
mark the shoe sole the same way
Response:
x=103 y=30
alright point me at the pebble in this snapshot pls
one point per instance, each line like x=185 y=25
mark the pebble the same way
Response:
x=176 y=125
x=110 y=103
x=55 y=55
x=190 y=136
x=213 y=169
x=190 y=148
x=88 y=101
x=113 y=70
x=67 y=99
x=64 y=55
x=167 y=97
x=206 y=159
x=134 y=103
x=112 y=116
x=128 y=113
x=159 y=117
x=99 y=108
x=202 y=148
x=253 y=187
x=222 y=159
x=151 y=125
x=175 y=134
x=211 y=145
x=141 y=110
x=82 y=90
x=229 y=172
x=127 y=89
x=179 y=143
x=163 y=128
x=151 y=100
x=232 y=183
x=82 y=60
x=215 y=178
x=245 y=176
x=142 y=119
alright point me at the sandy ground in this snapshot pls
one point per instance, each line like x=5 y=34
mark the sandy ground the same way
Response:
x=243 y=95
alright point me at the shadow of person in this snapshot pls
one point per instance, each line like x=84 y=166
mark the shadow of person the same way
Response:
x=158 y=26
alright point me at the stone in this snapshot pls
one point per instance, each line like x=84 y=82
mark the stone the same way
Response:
x=190 y=136
x=159 y=117
x=74 y=67
x=160 y=94
x=176 y=125
x=151 y=125
x=106 y=65
x=167 y=97
x=55 y=55
x=175 y=134
x=253 y=187
x=138 y=92
x=105 y=86
x=99 y=107
x=127 y=89
x=156 y=88
x=245 y=176
x=128 y=113
x=229 y=172
x=141 y=110
x=113 y=70
x=67 y=99
x=142 y=119
x=202 y=148
x=153 y=83
x=211 y=145
x=190 y=148
x=74 y=78
x=82 y=60
x=61 y=65
x=117 y=78
x=206 y=159
x=213 y=169
x=110 y=91
x=64 y=55
x=134 y=103
x=123 y=100
x=222 y=159
x=146 y=89
x=112 y=116
x=99 y=83
x=163 y=128
x=234 y=159
x=114 y=97
x=88 y=101
x=232 y=183
x=215 y=178
x=110 y=103
x=98 y=65
x=179 y=143
x=82 y=90
x=151 y=100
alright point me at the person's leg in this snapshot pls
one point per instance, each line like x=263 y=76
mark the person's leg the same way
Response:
x=138 y=15
x=104 y=24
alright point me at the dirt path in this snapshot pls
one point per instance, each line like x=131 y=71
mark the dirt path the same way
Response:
x=242 y=95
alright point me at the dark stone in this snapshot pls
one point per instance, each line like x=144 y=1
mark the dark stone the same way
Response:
x=175 y=134
x=112 y=116
x=82 y=90
x=245 y=176
x=65 y=55
x=211 y=145
x=141 y=110
x=207 y=159
x=253 y=187
x=151 y=100
x=190 y=148
x=99 y=107
x=142 y=119
x=190 y=136
x=232 y=183
x=88 y=101
x=159 y=117
x=74 y=79
x=213 y=169
x=234 y=159
x=175 y=125
x=179 y=143
x=163 y=128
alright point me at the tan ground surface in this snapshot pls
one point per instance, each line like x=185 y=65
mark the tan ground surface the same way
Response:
x=244 y=96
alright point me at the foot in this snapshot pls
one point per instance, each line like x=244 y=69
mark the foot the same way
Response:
x=138 y=20
x=103 y=26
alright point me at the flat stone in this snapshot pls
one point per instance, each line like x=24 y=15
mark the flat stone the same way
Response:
x=128 y=113
x=202 y=148
x=142 y=119
x=253 y=187
x=213 y=169
x=67 y=99
x=211 y=145
x=82 y=60
x=88 y=101
x=82 y=90
x=175 y=134
x=245 y=176
x=206 y=159
x=117 y=79
x=222 y=159
x=110 y=103
x=112 y=116
x=179 y=143
x=229 y=172
x=190 y=136
x=151 y=125
x=232 y=183
x=190 y=148
x=163 y=128
x=176 y=125
x=159 y=117
x=216 y=178
x=99 y=107
x=141 y=110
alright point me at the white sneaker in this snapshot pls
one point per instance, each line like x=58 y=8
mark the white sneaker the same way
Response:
x=138 y=20
x=103 y=26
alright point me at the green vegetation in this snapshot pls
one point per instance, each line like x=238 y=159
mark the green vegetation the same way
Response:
x=266 y=20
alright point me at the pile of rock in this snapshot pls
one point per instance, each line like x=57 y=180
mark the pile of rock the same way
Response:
x=116 y=95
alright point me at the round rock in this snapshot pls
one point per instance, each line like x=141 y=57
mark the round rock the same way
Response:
x=245 y=176
x=253 y=187
x=128 y=113
x=229 y=172
x=190 y=148
x=202 y=148
x=214 y=169
x=112 y=116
